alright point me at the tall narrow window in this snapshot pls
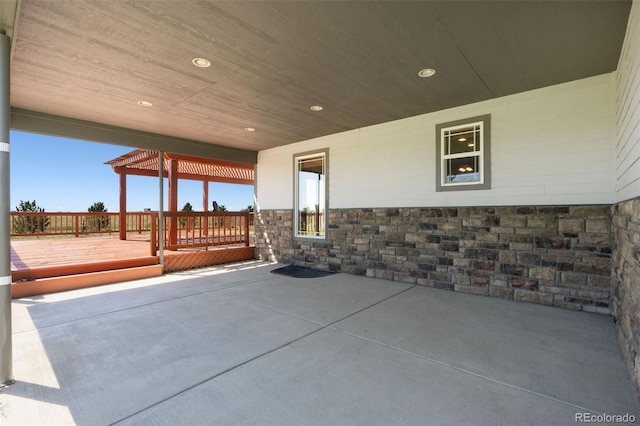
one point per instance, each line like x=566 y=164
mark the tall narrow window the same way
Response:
x=463 y=154
x=310 y=202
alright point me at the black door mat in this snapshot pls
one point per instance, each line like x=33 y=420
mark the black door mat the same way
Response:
x=300 y=272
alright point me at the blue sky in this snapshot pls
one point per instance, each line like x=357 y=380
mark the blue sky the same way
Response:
x=70 y=175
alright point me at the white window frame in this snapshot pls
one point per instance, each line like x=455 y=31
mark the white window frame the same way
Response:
x=443 y=136
x=324 y=153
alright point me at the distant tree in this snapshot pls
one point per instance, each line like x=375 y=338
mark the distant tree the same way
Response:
x=218 y=221
x=186 y=208
x=94 y=222
x=30 y=224
x=249 y=208
x=219 y=207
x=97 y=207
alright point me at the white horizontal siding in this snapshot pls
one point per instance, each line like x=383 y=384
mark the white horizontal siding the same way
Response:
x=548 y=146
x=627 y=150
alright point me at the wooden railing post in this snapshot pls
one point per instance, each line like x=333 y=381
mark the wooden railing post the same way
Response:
x=205 y=224
x=77 y=225
x=205 y=218
x=153 y=237
x=247 y=240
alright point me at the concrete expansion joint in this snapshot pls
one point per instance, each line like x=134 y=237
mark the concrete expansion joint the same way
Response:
x=370 y=306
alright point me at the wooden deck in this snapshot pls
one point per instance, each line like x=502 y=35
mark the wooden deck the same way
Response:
x=54 y=252
x=56 y=264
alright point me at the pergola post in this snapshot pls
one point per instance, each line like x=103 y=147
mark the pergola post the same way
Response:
x=173 y=201
x=122 y=226
x=205 y=206
x=6 y=343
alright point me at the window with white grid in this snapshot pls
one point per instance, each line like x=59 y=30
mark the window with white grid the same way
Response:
x=463 y=154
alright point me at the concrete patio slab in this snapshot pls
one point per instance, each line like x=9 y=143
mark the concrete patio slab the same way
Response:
x=236 y=344
x=333 y=378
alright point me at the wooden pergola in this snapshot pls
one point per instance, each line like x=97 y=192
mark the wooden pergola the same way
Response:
x=144 y=162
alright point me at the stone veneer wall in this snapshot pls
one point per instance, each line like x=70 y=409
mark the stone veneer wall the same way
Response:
x=625 y=298
x=553 y=255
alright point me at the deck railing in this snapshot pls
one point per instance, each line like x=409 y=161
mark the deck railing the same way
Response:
x=30 y=224
x=184 y=230
x=219 y=227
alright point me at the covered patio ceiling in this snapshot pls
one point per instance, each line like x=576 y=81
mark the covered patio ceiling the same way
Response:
x=80 y=68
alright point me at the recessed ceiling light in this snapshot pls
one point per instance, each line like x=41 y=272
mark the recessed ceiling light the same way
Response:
x=427 y=72
x=249 y=129
x=145 y=103
x=462 y=139
x=316 y=108
x=201 y=62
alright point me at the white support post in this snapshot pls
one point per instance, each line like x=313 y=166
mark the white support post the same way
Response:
x=6 y=347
